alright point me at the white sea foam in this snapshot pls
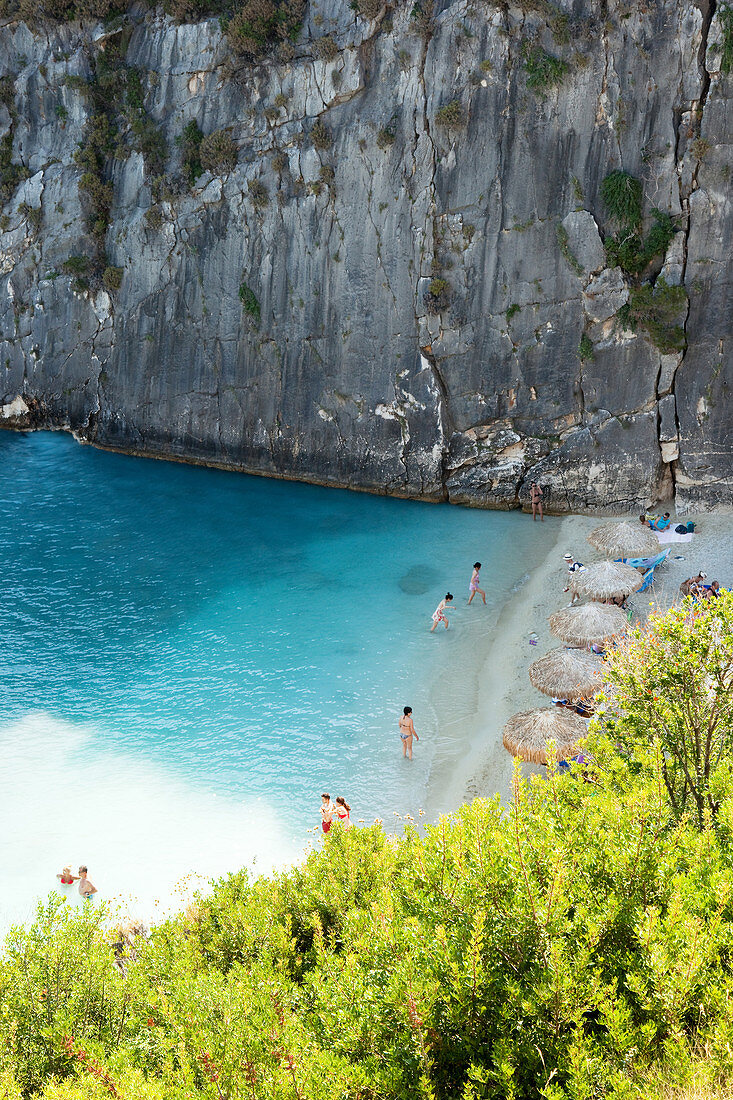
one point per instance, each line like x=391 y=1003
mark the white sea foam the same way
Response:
x=148 y=838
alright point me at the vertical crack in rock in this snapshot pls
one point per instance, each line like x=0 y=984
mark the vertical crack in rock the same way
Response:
x=707 y=10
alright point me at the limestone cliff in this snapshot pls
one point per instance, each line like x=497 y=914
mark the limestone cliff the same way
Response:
x=401 y=284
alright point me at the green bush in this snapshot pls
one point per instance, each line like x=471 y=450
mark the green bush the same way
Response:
x=386 y=136
x=585 y=349
x=622 y=196
x=218 y=153
x=513 y=310
x=326 y=48
x=543 y=69
x=250 y=302
x=321 y=136
x=112 y=278
x=725 y=16
x=257 y=24
x=451 y=114
x=438 y=295
x=190 y=140
x=258 y=193
x=658 y=311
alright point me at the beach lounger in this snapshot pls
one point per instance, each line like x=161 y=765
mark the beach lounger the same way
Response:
x=648 y=580
x=647 y=563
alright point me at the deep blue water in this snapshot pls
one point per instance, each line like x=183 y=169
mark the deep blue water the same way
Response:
x=190 y=656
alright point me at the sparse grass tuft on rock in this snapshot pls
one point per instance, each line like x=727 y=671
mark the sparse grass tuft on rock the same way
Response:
x=451 y=114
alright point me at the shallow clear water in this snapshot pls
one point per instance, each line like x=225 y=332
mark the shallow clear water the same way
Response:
x=190 y=657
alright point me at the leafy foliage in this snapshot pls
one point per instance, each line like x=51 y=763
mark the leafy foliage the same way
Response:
x=321 y=136
x=451 y=114
x=250 y=302
x=190 y=142
x=632 y=252
x=585 y=348
x=218 y=153
x=658 y=310
x=673 y=683
x=257 y=24
x=438 y=295
x=622 y=196
x=543 y=69
x=725 y=16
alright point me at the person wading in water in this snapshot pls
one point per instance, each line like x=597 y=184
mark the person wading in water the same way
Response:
x=407 y=732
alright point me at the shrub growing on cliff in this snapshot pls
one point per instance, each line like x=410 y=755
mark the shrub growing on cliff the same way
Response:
x=321 y=136
x=658 y=310
x=543 y=69
x=258 y=193
x=257 y=24
x=190 y=142
x=250 y=302
x=622 y=196
x=218 y=153
x=451 y=114
x=438 y=295
x=112 y=278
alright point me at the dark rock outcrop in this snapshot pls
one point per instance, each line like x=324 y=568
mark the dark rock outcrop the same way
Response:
x=344 y=361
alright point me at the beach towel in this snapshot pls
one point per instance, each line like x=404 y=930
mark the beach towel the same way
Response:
x=668 y=536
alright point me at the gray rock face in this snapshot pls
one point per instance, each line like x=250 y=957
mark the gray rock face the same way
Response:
x=355 y=368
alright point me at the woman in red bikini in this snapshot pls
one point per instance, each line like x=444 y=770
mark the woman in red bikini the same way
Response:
x=343 y=809
x=66 y=878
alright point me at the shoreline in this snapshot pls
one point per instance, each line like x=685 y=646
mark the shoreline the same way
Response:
x=503 y=686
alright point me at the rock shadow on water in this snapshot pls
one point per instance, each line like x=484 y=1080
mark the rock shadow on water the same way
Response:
x=419 y=579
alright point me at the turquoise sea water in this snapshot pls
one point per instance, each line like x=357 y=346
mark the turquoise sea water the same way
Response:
x=189 y=657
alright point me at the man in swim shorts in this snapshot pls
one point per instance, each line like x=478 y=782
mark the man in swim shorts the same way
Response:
x=327 y=812
x=86 y=886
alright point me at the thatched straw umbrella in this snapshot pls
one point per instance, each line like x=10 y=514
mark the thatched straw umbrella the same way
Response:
x=624 y=540
x=567 y=674
x=526 y=735
x=605 y=579
x=593 y=622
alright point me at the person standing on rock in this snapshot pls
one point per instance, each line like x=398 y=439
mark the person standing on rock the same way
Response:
x=535 y=499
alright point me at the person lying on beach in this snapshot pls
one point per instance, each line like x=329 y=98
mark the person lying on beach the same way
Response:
x=86 y=886
x=438 y=614
x=473 y=587
x=66 y=877
x=327 y=811
x=407 y=732
x=686 y=588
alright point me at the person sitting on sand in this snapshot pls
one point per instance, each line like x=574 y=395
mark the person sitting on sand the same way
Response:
x=327 y=811
x=473 y=587
x=66 y=878
x=686 y=588
x=86 y=886
x=711 y=591
x=438 y=614
x=343 y=809
x=407 y=732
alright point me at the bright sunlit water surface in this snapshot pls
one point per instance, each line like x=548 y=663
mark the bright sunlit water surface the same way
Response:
x=189 y=657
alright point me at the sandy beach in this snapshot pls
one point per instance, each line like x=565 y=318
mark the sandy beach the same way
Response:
x=504 y=687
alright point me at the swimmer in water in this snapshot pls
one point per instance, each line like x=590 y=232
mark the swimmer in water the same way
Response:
x=438 y=616
x=66 y=877
x=407 y=732
x=343 y=809
x=327 y=812
x=473 y=587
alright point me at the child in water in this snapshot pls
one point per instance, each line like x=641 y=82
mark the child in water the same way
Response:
x=407 y=732
x=473 y=587
x=438 y=616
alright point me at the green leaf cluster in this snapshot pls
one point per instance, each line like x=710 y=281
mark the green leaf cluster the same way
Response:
x=658 y=310
x=572 y=944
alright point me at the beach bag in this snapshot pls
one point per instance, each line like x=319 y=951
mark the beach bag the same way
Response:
x=680 y=529
x=691 y=528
